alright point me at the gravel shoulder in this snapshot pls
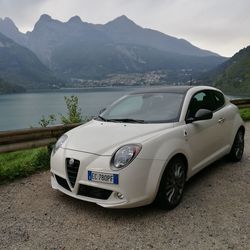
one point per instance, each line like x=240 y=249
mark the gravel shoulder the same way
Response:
x=214 y=214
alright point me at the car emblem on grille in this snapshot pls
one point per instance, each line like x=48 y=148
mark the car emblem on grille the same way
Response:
x=71 y=161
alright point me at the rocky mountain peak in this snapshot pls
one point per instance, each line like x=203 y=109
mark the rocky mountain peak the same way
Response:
x=123 y=18
x=121 y=21
x=44 y=21
x=7 y=24
x=45 y=18
x=9 y=29
x=75 y=19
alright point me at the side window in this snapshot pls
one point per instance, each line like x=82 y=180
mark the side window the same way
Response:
x=219 y=99
x=201 y=100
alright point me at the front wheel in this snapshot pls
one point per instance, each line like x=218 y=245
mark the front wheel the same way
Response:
x=238 y=147
x=172 y=184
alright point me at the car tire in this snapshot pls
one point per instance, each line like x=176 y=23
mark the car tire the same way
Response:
x=172 y=184
x=237 y=147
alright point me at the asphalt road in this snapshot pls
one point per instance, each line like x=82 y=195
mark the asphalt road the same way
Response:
x=214 y=214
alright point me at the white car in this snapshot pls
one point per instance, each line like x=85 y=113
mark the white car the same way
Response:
x=146 y=145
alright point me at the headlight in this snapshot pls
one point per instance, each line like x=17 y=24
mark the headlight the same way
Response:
x=125 y=155
x=60 y=142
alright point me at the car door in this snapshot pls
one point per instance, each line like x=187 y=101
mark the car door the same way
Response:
x=203 y=137
x=224 y=116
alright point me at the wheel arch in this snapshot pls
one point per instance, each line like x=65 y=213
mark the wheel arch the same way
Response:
x=237 y=147
x=241 y=128
x=179 y=155
x=172 y=157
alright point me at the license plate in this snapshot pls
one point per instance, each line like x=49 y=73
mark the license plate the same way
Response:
x=103 y=177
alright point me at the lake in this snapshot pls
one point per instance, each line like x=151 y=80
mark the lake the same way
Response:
x=25 y=110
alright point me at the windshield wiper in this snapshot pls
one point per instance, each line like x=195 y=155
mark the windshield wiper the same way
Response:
x=102 y=118
x=120 y=120
x=126 y=120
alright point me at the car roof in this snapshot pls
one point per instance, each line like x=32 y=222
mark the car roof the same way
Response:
x=169 y=89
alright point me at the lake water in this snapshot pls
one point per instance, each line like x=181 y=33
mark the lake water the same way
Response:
x=25 y=110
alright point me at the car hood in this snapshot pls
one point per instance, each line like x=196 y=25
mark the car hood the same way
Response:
x=103 y=138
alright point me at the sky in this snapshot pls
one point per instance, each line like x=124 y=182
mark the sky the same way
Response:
x=221 y=26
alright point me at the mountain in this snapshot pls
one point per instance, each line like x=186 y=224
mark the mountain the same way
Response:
x=81 y=50
x=233 y=76
x=50 y=36
x=90 y=61
x=18 y=65
x=123 y=30
x=76 y=49
x=6 y=88
x=9 y=29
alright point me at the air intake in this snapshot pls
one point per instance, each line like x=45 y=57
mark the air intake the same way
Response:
x=62 y=182
x=72 y=167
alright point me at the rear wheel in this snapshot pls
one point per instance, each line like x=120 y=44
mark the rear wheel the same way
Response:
x=238 y=147
x=172 y=184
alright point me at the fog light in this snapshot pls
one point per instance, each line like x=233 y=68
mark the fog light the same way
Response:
x=120 y=196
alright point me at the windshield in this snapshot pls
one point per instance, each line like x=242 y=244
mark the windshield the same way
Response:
x=145 y=108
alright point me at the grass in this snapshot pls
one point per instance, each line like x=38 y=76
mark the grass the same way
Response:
x=245 y=114
x=22 y=163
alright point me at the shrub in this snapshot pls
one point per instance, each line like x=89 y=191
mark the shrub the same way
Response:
x=74 y=112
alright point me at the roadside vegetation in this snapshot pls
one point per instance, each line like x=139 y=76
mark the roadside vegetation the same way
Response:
x=23 y=163
x=245 y=114
x=74 y=114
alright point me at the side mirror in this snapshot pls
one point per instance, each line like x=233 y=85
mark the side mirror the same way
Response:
x=201 y=115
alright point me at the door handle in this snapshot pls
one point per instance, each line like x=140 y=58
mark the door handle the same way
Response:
x=185 y=133
x=221 y=120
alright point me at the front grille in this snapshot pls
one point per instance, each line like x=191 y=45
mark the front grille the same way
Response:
x=72 y=167
x=94 y=192
x=62 y=182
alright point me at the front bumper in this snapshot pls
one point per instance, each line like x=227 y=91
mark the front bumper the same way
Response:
x=138 y=182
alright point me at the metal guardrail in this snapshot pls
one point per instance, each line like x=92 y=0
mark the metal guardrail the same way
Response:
x=241 y=103
x=37 y=137
x=31 y=138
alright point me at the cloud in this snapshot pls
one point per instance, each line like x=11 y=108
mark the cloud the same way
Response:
x=220 y=26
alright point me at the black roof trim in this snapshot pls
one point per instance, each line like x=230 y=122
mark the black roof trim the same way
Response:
x=170 y=89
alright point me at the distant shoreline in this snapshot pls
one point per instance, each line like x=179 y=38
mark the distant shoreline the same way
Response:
x=103 y=88
x=114 y=88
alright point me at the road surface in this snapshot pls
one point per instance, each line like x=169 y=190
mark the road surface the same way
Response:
x=214 y=214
